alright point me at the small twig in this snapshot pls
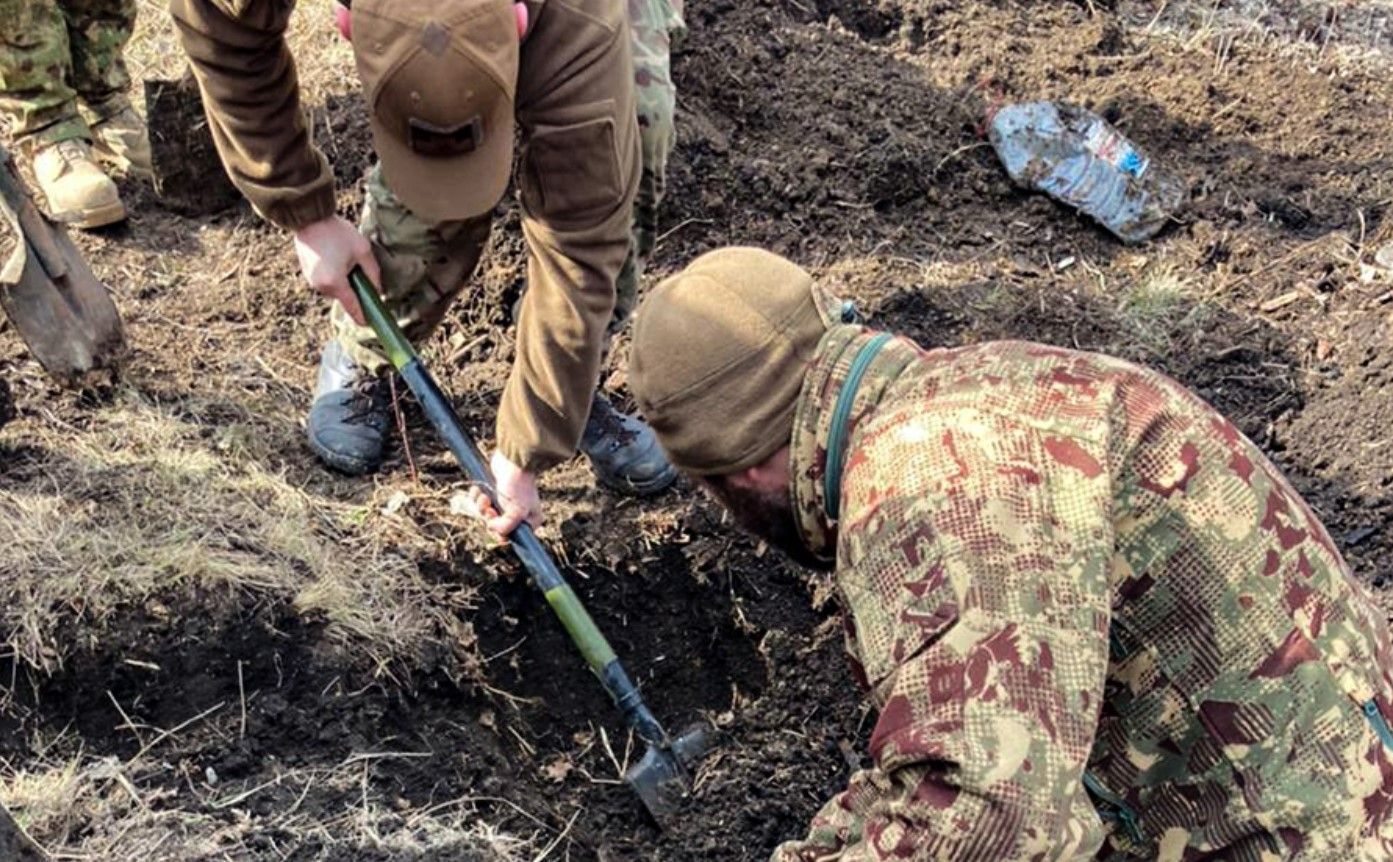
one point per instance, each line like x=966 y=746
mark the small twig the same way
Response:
x=609 y=750
x=959 y=151
x=383 y=755
x=126 y=785
x=242 y=696
x=674 y=229
x=512 y=699
x=525 y=745
x=500 y=654
x=219 y=804
x=401 y=429
x=166 y=734
x=129 y=725
x=546 y=851
x=459 y=354
x=1157 y=17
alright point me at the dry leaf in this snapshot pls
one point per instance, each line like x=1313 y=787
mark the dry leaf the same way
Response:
x=396 y=502
x=461 y=503
x=558 y=769
x=1281 y=302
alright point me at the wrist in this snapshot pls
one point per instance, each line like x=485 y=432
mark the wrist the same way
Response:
x=518 y=457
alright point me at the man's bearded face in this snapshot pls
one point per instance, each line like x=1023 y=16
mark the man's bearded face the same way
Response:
x=768 y=515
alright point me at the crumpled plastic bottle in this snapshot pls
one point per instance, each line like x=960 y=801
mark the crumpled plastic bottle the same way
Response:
x=1076 y=157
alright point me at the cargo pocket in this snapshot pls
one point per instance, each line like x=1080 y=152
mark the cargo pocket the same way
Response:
x=571 y=173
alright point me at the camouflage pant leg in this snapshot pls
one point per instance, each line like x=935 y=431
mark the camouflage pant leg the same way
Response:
x=424 y=267
x=35 y=70
x=653 y=25
x=98 y=31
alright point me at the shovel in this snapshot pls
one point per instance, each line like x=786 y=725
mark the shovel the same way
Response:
x=63 y=313
x=189 y=175
x=15 y=845
x=662 y=778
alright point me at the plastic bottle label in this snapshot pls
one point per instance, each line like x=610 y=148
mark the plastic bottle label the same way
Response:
x=1109 y=145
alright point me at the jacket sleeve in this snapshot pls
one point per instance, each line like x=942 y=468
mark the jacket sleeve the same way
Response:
x=578 y=175
x=978 y=593
x=252 y=99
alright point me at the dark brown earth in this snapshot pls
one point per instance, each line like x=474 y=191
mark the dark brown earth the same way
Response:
x=845 y=134
x=187 y=170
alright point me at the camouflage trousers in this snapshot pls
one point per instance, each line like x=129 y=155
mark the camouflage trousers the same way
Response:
x=54 y=53
x=425 y=265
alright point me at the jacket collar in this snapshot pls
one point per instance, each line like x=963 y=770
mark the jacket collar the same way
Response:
x=814 y=416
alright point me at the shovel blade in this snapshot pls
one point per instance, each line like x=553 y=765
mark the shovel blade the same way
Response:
x=189 y=176
x=662 y=779
x=15 y=844
x=64 y=314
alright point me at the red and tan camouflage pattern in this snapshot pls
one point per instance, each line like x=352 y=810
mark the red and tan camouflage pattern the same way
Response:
x=1096 y=621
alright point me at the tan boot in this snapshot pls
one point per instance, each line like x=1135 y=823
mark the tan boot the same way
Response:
x=122 y=141
x=78 y=192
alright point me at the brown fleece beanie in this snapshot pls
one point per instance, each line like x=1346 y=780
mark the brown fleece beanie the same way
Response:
x=719 y=354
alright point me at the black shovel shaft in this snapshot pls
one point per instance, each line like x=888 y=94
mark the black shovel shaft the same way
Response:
x=524 y=542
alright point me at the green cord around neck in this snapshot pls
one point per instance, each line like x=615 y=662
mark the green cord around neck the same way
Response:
x=841 y=414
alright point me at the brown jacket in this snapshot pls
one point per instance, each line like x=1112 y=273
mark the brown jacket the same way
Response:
x=578 y=173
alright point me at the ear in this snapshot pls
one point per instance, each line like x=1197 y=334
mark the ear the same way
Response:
x=749 y=479
x=343 y=19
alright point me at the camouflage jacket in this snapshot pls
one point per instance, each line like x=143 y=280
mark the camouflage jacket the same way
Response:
x=1096 y=621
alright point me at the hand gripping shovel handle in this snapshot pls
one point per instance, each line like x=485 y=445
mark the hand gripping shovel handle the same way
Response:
x=529 y=549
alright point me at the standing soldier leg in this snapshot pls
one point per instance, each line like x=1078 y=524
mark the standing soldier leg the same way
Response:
x=424 y=267
x=98 y=31
x=623 y=453
x=40 y=104
x=653 y=25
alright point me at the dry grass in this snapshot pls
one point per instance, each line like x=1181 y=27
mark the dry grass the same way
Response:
x=147 y=500
x=95 y=811
x=1160 y=308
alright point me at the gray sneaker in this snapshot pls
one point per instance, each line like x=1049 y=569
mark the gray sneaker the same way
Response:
x=351 y=415
x=623 y=451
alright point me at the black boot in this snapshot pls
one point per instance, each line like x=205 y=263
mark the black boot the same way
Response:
x=623 y=451
x=351 y=415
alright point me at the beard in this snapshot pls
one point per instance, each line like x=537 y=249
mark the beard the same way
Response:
x=768 y=516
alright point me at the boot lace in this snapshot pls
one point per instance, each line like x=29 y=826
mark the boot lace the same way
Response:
x=366 y=402
x=608 y=424
x=72 y=152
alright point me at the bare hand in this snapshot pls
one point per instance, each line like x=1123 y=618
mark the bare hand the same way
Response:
x=328 y=250
x=516 y=490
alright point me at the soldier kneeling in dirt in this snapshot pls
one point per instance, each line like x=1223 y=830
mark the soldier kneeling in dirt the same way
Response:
x=446 y=82
x=1097 y=622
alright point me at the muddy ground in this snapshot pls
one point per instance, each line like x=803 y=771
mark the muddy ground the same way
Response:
x=237 y=724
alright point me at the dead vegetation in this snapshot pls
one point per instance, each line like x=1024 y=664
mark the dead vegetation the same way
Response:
x=188 y=491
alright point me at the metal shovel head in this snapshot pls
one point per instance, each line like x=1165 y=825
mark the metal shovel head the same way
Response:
x=63 y=313
x=189 y=176
x=663 y=777
x=15 y=845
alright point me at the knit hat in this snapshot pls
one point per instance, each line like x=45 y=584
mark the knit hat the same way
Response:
x=719 y=353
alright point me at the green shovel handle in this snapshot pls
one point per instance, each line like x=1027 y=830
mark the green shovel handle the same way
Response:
x=586 y=635
x=394 y=341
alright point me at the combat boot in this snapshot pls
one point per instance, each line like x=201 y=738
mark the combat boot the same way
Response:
x=78 y=191
x=351 y=415
x=121 y=140
x=624 y=452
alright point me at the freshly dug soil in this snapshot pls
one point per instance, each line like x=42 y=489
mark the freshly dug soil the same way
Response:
x=7 y=403
x=846 y=134
x=188 y=173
